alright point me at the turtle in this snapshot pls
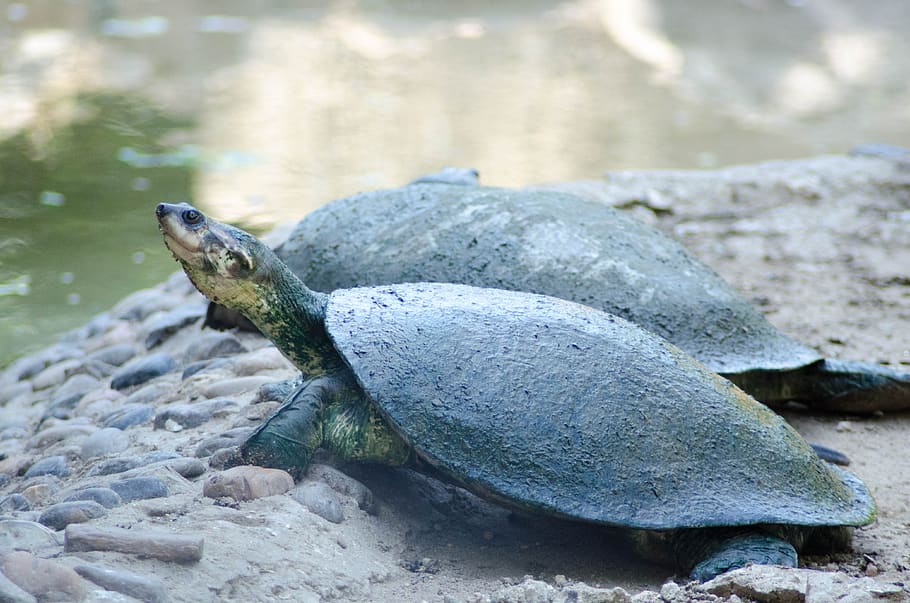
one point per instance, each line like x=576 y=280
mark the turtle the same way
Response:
x=562 y=245
x=533 y=402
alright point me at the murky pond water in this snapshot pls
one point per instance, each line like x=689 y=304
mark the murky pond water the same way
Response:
x=260 y=111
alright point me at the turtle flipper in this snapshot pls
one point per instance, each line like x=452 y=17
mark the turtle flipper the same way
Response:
x=711 y=555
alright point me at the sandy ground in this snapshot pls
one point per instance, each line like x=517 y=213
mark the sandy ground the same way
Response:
x=821 y=246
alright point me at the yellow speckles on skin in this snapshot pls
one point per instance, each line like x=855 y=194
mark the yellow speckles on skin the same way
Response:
x=354 y=430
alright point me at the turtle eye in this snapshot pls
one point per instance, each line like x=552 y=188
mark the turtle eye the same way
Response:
x=192 y=216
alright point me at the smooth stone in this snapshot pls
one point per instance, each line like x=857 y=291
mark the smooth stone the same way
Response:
x=53 y=375
x=450 y=175
x=204 y=365
x=129 y=415
x=265 y=359
x=223 y=457
x=192 y=415
x=232 y=387
x=105 y=441
x=139 y=488
x=14 y=502
x=21 y=534
x=61 y=408
x=319 y=498
x=276 y=391
x=228 y=439
x=45 y=579
x=41 y=489
x=62 y=514
x=16 y=465
x=147 y=543
x=51 y=465
x=145 y=588
x=159 y=328
x=187 y=467
x=344 y=484
x=142 y=303
x=11 y=392
x=11 y=593
x=115 y=355
x=119 y=465
x=77 y=384
x=149 y=394
x=59 y=433
x=143 y=369
x=213 y=345
x=247 y=482
x=105 y=497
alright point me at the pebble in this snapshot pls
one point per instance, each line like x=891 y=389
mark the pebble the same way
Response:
x=129 y=415
x=103 y=442
x=115 y=355
x=192 y=415
x=77 y=384
x=42 y=578
x=142 y=303
x=247 y=482
x=37 y=493
x=143 y=369
x=213 y=345
x=105 y=497
x=148 y=543
x=59 y=433
x=160 y=327
x=14 y=502
x=320 y=499
x=264 y=359
x=62 y=514
x=203 y=365
x=11 y=593
x=22 y=534
x=187 y=467
x=343 y=484
x=228 y=439
x=139 y=488
x=149 y=394
x=144 y=588
x=232 y=387
x=51 y=465
x=53 y=375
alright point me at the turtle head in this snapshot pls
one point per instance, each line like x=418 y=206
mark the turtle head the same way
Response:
x=224 y=263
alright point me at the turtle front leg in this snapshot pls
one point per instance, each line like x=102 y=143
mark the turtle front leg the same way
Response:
x=709 y=553
x=328 y=411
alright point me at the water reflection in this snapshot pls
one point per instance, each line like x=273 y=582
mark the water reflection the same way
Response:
x=260 y=111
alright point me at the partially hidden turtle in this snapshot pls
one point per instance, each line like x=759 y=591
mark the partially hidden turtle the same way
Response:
x=577 y=249
x=530 y=401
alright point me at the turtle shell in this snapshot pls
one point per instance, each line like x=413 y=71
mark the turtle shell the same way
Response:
x=542 y=242
x=559 y=408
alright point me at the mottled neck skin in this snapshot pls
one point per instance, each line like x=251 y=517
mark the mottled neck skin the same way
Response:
x=282 y=307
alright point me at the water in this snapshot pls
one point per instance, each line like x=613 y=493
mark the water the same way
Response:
x=259 y=112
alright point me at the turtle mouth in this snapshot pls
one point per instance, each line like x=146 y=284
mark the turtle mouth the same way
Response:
x=184 y=243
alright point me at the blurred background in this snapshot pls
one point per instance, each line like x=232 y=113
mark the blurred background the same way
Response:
x=259 y=111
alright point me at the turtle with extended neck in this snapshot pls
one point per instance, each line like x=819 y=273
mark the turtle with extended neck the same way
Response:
x=534 y=402
x=562 y=245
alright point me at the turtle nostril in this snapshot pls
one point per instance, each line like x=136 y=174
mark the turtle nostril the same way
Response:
x=161 y=210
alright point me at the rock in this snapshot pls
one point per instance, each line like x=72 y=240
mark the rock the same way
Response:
x=213 y=345
x=276 y=391
x=343 y=484
x=28 y=535
x=768 y=583
x=264 y=359
x=115 y=355
x=147 y=543
x=11 y=593
x=103 y=442
x=232 y=387
x=320 y=499
x=139 y=488
x=53 y=375
x=138 y=305
x=247 y=482
x=228 y=439
x=41 y=489
x=145 y=588
x=119 y=465
x=203 y=365
x=149 y=394
x=42 y=578
x=14 y=502
x=51 y=435
x=450 y=175
x=129 y=415
x=105 y=497
x=187 y=467
x=143 y=369
x=16 y=465
x=51 y=465
x=192 y=415
x=62 y=514
x=669 y=591
x=159 y=328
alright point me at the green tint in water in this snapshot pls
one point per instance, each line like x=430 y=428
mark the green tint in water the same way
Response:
x=74 y=192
